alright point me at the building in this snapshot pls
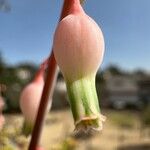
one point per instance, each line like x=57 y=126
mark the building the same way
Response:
x=121 y=91
x=144 y=90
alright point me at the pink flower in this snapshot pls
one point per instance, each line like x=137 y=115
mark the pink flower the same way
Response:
x=78 y=44
x=78 y=48
x=30 y=99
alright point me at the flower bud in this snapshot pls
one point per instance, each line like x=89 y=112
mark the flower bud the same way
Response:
x=29 y=102
x=30 y=99
x=78 y=48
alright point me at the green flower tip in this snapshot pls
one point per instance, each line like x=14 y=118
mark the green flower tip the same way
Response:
x=27 y=128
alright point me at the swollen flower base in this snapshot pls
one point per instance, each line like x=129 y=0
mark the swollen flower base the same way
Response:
x=78 y=48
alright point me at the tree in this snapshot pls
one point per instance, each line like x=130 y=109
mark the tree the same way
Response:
x=114 y=70
x=2 y=64
x=5 y=6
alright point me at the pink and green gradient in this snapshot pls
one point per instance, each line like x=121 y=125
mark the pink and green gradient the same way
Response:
x=29 y=102
x=30 y=99
x=78 y=48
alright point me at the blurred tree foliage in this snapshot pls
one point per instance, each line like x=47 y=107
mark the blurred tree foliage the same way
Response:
x=5 y=6
x=1 y=63
x=100 y=81
x=146 y=116
x=14 y=78
x=114 y=70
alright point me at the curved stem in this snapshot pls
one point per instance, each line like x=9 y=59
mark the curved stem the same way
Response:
x=47 y=93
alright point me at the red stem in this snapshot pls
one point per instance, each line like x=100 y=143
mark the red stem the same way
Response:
x=39 y=76
x=48 y=89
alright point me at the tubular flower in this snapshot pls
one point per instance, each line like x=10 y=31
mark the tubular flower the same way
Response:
x=30 y=100
x=78 y=48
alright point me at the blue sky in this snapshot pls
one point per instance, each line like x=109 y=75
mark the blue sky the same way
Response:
x=26 y=32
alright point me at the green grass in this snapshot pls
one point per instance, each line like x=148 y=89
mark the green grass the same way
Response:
x=122 y=119
x=57 y=135
x=145 y=117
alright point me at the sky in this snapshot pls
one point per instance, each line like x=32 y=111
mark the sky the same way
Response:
x=26 y=32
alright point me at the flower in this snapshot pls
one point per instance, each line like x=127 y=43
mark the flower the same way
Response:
x=78 y=48
x=30 y=99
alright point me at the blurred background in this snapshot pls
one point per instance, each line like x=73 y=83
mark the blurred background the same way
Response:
x=123 y=80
